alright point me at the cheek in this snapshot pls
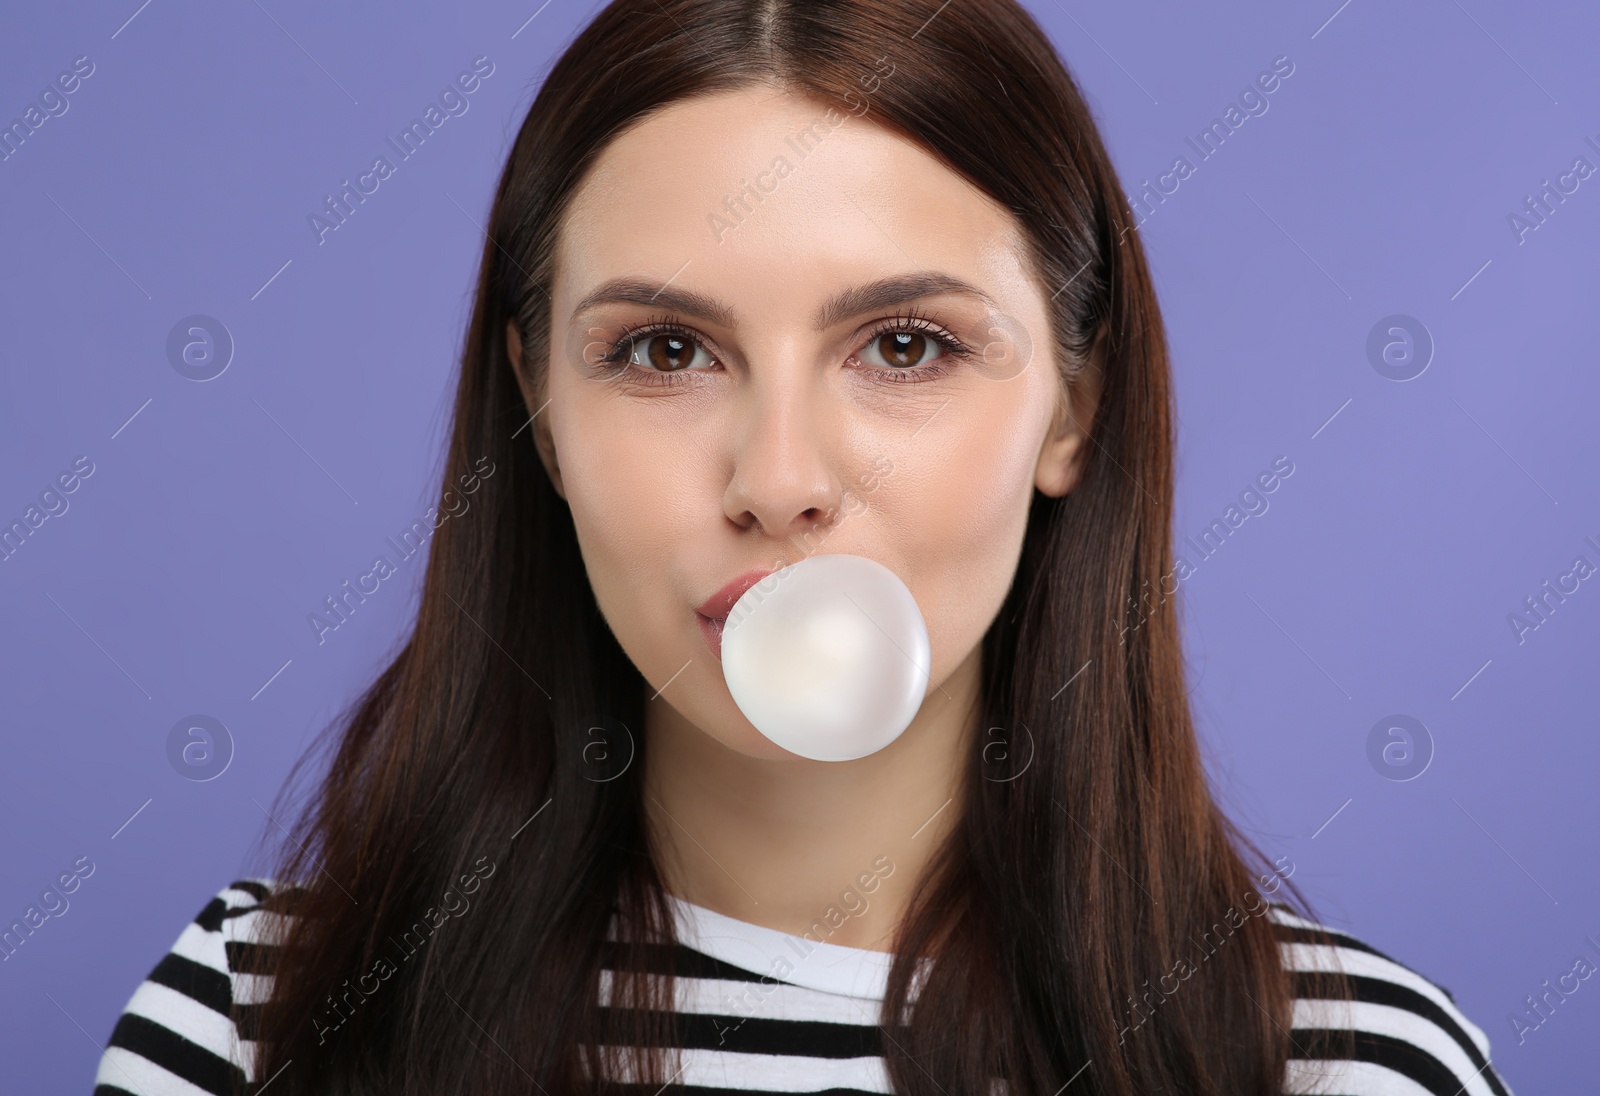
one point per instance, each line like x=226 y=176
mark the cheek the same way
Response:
x=960 y=513
x=629 y=506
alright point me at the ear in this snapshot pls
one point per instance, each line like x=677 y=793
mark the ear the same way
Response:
x=542 y=439
x=1066 y=445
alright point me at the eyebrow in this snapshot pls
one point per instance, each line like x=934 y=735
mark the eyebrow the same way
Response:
x=883 y=293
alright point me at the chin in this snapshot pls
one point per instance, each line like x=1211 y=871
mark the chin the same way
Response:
x=718 y=719
x=740 y=736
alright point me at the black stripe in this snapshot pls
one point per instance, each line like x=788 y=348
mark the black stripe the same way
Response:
x=1403 y=1057
x=1380 y=991
x=247 y=1021
x=730 y=1032
x=249 y=958
x=171 y=1051
x=240 y=911
x=622 y=1089
x=765 y=1035
x=280 y=898
x=702 y=1090
x=1339 y=939
x=210 y=918
x=250 y=886
x=1332 y=938
x=290 y=894
x=194 y=980
x=680 y=960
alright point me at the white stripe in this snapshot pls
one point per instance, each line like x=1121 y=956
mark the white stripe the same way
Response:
x=1367 y=1078
x=1308 y=957
x=204 y=946
x=817 y=964
x=262 y=927
x=768 y=1072
x=258 y=926
x=180 y=1013
x=817 y=1001
x=234 y=898
x=252 y=989
x=1285 y=917
x=138 y=1074
x=768 y=1000
x=244 y=1056
x=1401 y=1024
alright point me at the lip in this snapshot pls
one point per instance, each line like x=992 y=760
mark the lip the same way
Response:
x=713 y=612
x=721 y=603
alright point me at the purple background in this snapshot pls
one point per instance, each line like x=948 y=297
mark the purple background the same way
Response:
x=1379 y=181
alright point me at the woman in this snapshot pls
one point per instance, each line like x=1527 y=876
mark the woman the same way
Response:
x=766 y=279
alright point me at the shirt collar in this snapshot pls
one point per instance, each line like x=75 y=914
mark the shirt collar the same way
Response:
x=782 y=956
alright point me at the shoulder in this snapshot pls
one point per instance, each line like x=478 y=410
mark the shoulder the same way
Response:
x=185 y=1027
x=1410 y=1036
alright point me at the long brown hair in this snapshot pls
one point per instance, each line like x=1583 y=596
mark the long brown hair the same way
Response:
x=1065 y=894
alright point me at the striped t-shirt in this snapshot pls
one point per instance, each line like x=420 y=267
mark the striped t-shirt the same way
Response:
x=781 y=1013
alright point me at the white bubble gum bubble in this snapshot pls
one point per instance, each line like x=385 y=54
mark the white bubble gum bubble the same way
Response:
x=829 y=657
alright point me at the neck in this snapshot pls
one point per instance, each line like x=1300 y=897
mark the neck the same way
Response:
x=829 y=850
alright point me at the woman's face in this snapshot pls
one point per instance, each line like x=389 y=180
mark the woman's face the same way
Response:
x=801 y=402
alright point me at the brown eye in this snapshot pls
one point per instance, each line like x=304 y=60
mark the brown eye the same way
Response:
x=903 y=348
x=666 y=353
x=910 y=349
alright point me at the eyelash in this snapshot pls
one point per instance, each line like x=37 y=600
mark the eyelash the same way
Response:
x=954 y=350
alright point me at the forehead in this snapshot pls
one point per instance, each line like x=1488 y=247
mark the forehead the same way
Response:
x=770 y=200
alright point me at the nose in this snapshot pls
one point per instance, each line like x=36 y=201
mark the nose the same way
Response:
x=784 y=480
